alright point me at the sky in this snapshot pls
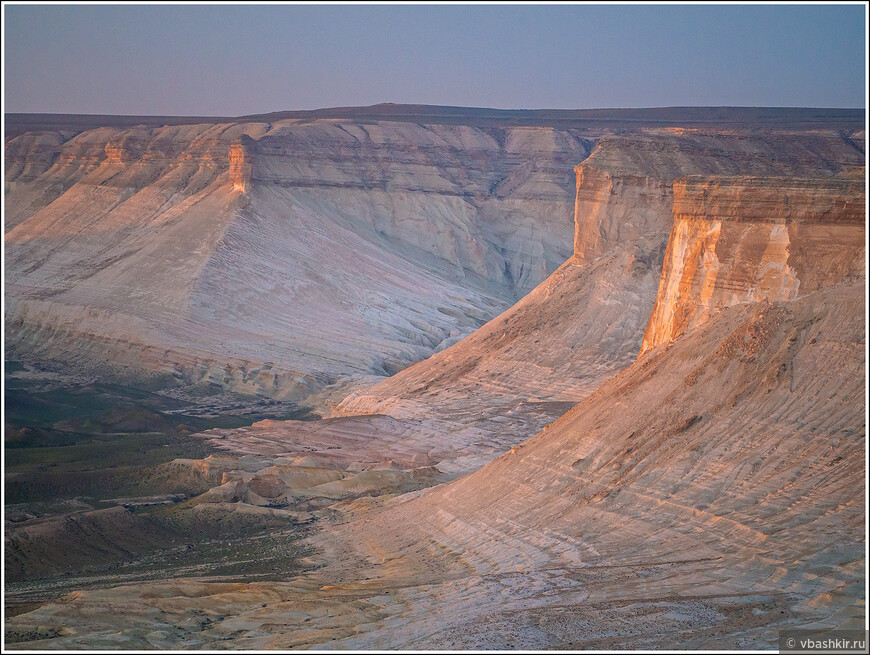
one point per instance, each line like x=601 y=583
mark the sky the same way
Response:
x=231 y=60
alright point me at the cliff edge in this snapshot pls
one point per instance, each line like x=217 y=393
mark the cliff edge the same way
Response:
x=748 y=239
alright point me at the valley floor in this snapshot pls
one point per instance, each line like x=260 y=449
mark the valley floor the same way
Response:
x=630 y=522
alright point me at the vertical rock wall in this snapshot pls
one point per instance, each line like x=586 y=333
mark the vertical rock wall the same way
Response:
x=749 y=239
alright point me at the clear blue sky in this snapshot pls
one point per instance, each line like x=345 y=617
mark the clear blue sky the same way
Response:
x=233 y=60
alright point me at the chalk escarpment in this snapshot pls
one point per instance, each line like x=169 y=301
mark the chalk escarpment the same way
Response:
x=196 y=253
x=587 y=320
x=747 y=239
x=708 y=495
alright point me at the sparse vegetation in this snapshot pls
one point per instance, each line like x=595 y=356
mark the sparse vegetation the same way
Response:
x=72 y=453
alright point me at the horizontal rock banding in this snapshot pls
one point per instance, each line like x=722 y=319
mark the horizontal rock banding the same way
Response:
x=210 y=241
x=747 y=239
x=837 y=199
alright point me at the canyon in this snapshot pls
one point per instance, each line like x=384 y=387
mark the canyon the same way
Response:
x=579 y=381
x=195 y=254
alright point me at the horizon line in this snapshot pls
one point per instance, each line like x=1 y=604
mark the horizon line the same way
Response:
x=419 y=106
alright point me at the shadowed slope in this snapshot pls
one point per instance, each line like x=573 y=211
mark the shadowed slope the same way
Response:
x=275 y=258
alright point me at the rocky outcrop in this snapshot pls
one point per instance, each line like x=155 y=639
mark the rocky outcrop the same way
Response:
x=31 y=155
x=748 y=239
x=624 y=189
x=136 y=171
x=240 y=155
x=300 y=482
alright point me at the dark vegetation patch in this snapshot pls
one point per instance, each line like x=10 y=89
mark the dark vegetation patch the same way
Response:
x=93 y=501
x=114 y=544
x=101 y=441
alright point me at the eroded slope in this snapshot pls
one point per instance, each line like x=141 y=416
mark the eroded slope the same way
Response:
x=275 y=258
x=709 y=494
x=587 y=321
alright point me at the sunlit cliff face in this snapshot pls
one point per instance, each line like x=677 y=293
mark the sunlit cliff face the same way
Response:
x=240 y=164
x=743 y=240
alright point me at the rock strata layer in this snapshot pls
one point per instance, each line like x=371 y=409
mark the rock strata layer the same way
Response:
x=746 y=239
x=587 y=321
x=275 y=258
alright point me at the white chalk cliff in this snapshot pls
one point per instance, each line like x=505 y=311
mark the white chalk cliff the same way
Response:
x=276 y=258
